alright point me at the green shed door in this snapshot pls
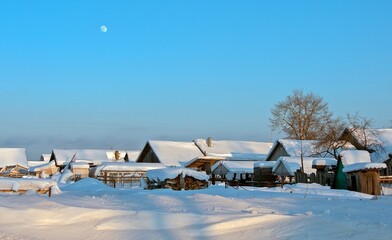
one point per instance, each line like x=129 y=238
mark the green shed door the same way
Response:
x=340 y=181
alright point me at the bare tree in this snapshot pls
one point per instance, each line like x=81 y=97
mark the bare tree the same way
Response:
x=330 y=142
x=338 y=135
x=302 y=117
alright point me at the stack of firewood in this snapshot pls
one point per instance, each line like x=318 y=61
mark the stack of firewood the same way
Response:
x=192 y=183
x=178 y=183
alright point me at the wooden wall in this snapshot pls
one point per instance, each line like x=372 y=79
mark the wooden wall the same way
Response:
x=364 y=181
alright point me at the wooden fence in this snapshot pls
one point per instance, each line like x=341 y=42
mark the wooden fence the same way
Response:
x=121 y=179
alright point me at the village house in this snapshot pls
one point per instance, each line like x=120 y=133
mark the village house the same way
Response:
x=169 y=153
x=378 y=142
x=219 y=150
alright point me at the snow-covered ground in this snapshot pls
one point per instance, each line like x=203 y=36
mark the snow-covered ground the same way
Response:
x=90 y=210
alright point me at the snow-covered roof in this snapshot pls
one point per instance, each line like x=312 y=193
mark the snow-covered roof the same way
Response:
x=235 y=166
x=173 y=172
x=235 y=150
x=292 y=164
x=295 y=147
x=174 y=153
x=127 y=166
x=42 y=167
x=132 y=155
x=324 y=162
x=264 y=164
x=354 y=156
x=373 y=137
x=94 y=156
x=363 y=166
x=79 y=165
x=13 y=156
x=45 y=157
x=356 y=160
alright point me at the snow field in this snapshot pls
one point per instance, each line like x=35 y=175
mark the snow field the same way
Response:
x=89 y=210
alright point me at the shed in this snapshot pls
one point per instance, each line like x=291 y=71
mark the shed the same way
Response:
x=361 y=174
x=325 y=170
x=123 y=174
x=287 y=166
x=80 y=169
x=234 y=170
x=262 y=173
x=48 y=169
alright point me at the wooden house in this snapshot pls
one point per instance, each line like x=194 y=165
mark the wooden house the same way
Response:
x=361 y=174
x=169 y=153
x=13 y=162
x=218 y=150
x=378 y=142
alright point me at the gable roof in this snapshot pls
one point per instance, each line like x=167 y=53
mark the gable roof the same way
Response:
x=13 y=156
x=235 y=150
x=378 y=140
x=45 y=157
x=131 y=156
x=293 y=148
x=172 y=153
x=93 y=156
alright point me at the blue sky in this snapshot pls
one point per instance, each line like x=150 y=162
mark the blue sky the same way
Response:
x=180 y=70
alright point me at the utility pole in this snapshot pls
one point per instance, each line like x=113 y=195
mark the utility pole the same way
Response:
x=302 y=157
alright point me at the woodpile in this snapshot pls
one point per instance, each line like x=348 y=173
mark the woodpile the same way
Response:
x=178 y=183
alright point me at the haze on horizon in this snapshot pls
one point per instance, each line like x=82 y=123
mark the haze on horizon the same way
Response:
x=183 y=70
